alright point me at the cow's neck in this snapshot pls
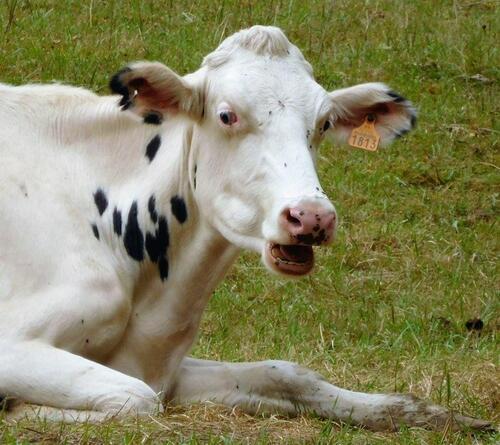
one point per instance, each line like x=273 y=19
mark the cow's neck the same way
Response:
x=164 y=242
x=168 y=279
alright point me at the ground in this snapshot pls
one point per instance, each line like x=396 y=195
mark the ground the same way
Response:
x=417 y=250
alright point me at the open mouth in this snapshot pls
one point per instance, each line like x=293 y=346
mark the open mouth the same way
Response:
x=290 y=259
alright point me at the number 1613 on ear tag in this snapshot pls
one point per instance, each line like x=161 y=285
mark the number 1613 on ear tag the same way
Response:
x=365 y=136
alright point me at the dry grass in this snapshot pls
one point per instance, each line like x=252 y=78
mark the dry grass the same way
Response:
x=212 y=424
x=206 y=423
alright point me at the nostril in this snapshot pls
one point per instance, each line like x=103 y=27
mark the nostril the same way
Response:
x=292 y=220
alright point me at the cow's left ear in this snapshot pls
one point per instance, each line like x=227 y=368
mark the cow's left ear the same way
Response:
x=150 y=89
x=394 y=115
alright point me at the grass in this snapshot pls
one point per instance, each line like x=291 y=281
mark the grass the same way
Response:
x=417 y=251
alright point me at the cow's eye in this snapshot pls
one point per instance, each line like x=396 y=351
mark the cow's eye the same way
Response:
x=228 y=117
x=326 y=126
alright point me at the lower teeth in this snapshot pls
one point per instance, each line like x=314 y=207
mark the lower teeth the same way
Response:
x=276 y=254
x=293 y=263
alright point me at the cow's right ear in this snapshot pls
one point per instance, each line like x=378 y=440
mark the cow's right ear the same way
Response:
x=150 y=89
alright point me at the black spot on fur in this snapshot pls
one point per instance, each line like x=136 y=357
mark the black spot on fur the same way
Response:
x=133 y=238
x=162 y=235
x=101 y=201
x=163 y=268
x=179 y=208
x=194 y=175
x=157 y=245
x=24 y=190
x=117 y=86
x=152 y=209
x=117 y=221
x=153 y=118
x=95 y=230
x=152 y=247
x=153 y=147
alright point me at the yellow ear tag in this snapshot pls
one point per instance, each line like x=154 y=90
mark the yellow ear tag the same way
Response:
x=365 y=136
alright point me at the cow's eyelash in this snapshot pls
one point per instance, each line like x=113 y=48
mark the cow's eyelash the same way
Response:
x=228 y=117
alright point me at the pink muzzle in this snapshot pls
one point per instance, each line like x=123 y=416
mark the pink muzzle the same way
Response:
x=309 y=224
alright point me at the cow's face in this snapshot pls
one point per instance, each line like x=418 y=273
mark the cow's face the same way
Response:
x=258 y=118
x=256 y=156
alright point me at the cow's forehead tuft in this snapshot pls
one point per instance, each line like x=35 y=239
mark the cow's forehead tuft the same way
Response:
x=262 y=40
x=267 y=41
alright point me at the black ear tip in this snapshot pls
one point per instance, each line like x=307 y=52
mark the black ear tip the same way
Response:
x=413 y=120
x=396 y=97
x=153 y=118
x=116 y=84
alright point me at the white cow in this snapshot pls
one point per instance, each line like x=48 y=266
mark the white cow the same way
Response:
x=120 y=215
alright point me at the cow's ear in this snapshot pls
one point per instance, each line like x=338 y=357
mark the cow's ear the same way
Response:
x=150 y=89
x=394 y=115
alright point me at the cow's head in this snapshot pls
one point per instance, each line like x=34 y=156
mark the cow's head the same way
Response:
x=258 y=118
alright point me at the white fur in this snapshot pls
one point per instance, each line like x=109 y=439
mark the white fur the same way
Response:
x=88 y=330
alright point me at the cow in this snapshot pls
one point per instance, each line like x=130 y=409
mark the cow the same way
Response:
x=122 y=213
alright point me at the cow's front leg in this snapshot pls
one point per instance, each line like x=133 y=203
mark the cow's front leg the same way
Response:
x=67 y=386
x=286 y=388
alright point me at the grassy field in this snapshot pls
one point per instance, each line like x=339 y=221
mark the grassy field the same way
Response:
x=417 y=251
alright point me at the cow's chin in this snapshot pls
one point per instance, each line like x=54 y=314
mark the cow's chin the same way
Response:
x=288 y=260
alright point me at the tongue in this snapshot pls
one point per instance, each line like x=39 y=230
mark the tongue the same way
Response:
x=297 y=254
x=290 y=260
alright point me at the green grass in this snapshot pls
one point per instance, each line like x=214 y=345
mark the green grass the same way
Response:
x=417 y=251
